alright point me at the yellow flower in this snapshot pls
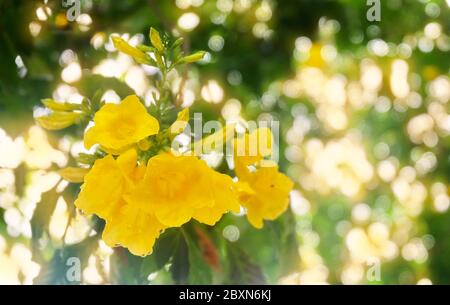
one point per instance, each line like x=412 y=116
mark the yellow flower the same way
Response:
x=132 y=228
x=103 y=193
x=102 y=188
x=178 y=188
x=119 y=126
x=223 y=198
x=262 y=190
x=266 y=195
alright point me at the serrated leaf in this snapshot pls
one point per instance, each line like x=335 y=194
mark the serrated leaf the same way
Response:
x=40 y=222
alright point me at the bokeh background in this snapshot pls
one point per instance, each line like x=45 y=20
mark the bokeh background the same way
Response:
x=363 y=106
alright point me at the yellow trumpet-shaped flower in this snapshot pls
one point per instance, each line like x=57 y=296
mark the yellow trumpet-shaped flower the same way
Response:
x=178 y=188
x=222 y=198
x=119 y=126
x=132 y=228
x=103 y=193
x=265 y=195
x=263 y=191
x=102 y=188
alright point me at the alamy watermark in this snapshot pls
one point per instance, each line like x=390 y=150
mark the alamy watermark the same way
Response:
x=73 y=272
x=374 y=11
x=257 y=139
x=373 y=273
x=73 y=9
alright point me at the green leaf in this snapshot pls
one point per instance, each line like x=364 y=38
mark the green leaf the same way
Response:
x=40 y=222
x=125 y=268
x=82 y=250
x=243 y=270
x=98 y=224
x=177 y=43
x=51 y=273
x=96 y=102
x=56 y=270
x=180 y=263
x=43 y=212
x=200 y=272
x=188 y=264
x=163 y=250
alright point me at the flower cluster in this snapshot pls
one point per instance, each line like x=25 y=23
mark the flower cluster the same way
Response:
x=138 y=199
x=140 y=187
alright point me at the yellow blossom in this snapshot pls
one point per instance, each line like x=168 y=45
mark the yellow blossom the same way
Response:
x=132 y=228
x=269 y=195
x=178 y=188
x=102 y=188
x=119 y=126
x=262 y=190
